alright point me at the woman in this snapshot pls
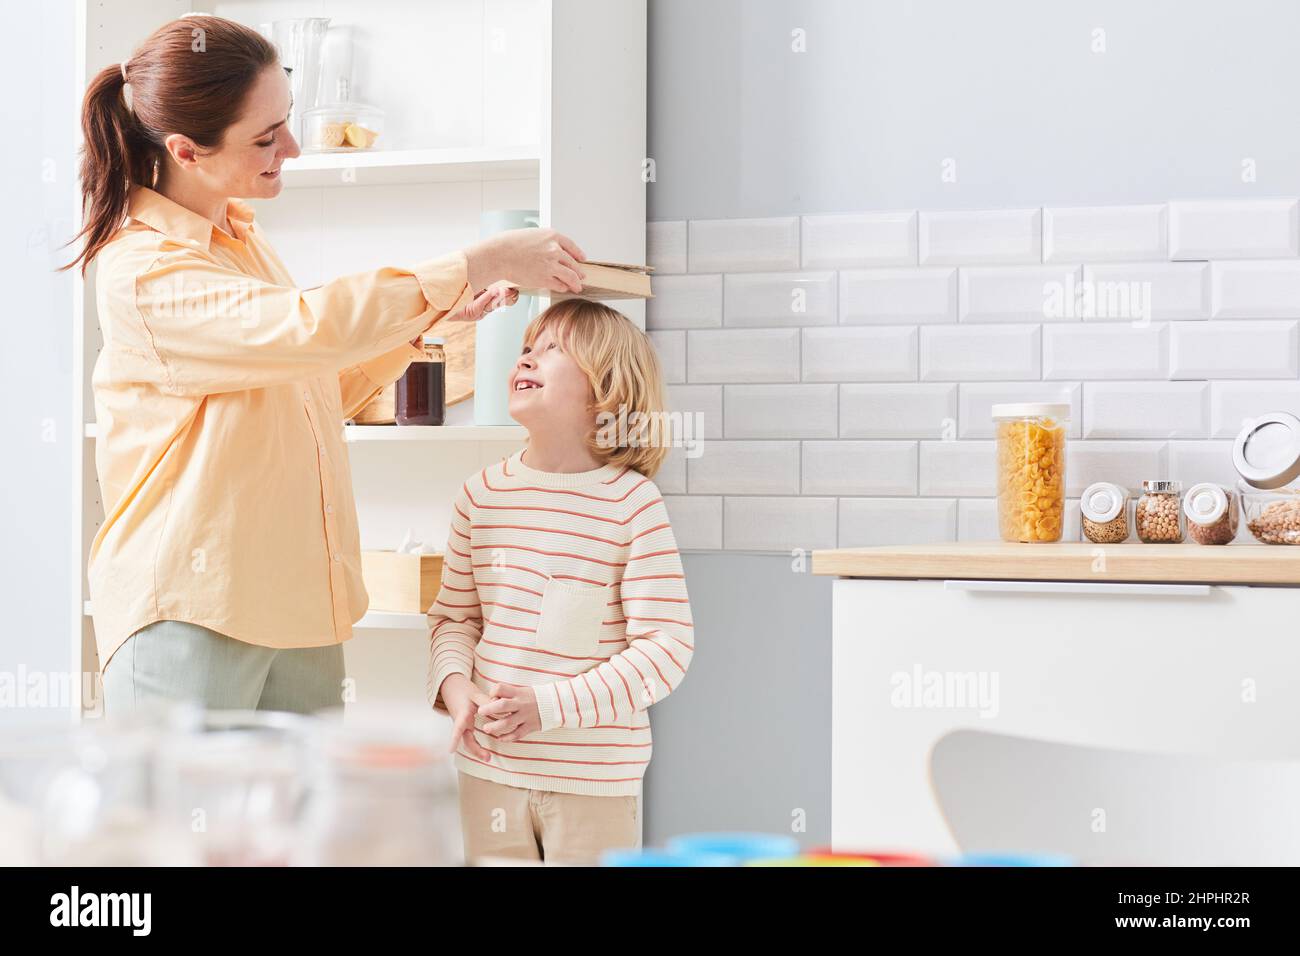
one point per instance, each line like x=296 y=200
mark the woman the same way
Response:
x=227 y=569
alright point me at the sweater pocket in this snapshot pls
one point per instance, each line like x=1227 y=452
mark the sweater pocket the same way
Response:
x=571 y=617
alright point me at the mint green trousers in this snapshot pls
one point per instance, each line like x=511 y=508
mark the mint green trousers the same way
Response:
x=176 y=660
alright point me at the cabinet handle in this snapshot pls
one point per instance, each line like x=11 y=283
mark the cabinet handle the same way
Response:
x=1078 y=587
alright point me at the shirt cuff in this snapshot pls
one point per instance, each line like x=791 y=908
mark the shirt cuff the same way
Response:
x=548 y=705
x=445 y=281
x=388 y=368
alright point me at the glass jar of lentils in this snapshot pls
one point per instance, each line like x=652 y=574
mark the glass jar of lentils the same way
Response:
x=1158 y=514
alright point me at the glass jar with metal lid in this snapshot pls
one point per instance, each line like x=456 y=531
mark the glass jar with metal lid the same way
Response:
x=1266 y=454
x=1211 y=513
x=1103 y=513
x=1031 y=470
x=1158 y=514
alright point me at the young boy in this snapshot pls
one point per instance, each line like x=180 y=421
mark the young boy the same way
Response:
x=563 y=613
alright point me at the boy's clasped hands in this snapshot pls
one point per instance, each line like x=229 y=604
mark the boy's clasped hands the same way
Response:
x=510 y=712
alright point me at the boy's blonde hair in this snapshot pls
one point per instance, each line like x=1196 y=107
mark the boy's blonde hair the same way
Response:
x=623 y=369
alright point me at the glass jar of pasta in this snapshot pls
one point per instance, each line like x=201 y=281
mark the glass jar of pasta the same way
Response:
x=1031 y=470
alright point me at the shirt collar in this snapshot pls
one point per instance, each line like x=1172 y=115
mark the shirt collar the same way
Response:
x=176 y=222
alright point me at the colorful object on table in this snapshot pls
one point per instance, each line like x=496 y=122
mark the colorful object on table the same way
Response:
x=1012 y=859
x=818 y=860
x=878 y=857
x=655 y=858
x=737 y=847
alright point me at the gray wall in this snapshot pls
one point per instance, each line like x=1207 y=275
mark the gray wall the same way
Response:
x=744 y=743
x=36 y=482
x=741 y=126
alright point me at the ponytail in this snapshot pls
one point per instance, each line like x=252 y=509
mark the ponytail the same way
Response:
x=191 y=76
x=114 y=157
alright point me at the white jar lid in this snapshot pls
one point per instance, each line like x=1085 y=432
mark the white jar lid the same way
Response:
x=1205 y=503
x=1102 y=501
x=1057 y=410
x=1266 y=452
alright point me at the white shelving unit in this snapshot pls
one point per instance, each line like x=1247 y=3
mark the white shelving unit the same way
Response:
x=404 y=166
x=490 y=104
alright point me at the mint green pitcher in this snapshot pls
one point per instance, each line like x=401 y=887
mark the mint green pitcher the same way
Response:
x=499 y=336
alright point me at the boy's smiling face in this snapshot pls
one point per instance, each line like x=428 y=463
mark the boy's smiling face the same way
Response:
x=547 y=385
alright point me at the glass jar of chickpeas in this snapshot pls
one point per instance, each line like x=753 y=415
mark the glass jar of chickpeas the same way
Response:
x=1031 y=470
x=1158 y=514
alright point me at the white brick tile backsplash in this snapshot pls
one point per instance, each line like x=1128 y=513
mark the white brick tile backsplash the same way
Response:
x=1194 y=461
x=865 y=522
x=743 y=245
x=1146 y=409
x=985 y=237
x=859 y=468
x=780 y=411
x=980 y=352
x=1234 y=229
x=742 y=355
x=778 y=524
x=1105 y=350
x=1018 y=293
x=671 y=477
x=977 y=519
x=685 y=302
x=898 y=411
x=779 y=298
x=665 y=246
x=1126 y=463
x=958 y=468
x=696 y=520
x=745 y=468
x=1256 y=290
x=859 y=240
x=1166 y=290
x=1231 y=403
x=845 y=366
x=976 y=400
x=892 y=296
x=671 y=349
x=1104 y=233
x=703 y=400
x=1235 y=349
x=880 y=353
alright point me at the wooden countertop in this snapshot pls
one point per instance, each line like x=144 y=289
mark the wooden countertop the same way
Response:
x=1069 y=561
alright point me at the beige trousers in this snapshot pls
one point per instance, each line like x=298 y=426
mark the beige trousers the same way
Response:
x=568 y=829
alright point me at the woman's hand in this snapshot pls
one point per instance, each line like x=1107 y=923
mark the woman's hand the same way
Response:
x=512 y=713
x=529 y=258
x=464 y=701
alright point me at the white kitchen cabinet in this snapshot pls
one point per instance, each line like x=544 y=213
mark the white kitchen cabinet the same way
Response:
x=489 y=104
x=1179 y=667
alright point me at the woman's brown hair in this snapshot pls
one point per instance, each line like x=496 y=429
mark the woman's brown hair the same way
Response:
x=191 y=76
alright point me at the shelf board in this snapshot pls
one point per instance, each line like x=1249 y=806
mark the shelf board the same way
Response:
x=388 y=167
x=355 y=433
x=373 y=620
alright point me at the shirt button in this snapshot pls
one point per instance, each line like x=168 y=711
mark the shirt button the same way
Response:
x=307 y=396
x=329 y=509
x=336 y=556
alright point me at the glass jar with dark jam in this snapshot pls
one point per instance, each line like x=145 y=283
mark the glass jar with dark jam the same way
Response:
x=421 y=394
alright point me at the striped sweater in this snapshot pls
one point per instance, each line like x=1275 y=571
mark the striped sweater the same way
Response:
x=570 y=583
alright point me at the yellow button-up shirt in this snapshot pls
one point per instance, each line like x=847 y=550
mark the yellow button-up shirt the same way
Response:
x=220 y=395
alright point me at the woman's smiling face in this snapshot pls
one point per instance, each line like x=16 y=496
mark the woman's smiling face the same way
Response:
x=247 y=163
x=547 y=385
